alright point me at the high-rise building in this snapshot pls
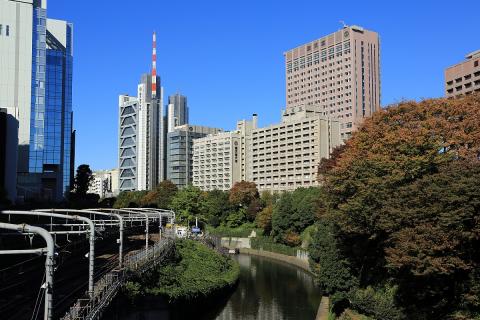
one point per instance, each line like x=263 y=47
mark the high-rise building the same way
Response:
x=180 y=152
x=128 y=114
x=339 y=74
x=177 y=112
x=142 y=134
x=36 y=79
x=219 y=160
x=463 y=78
x=285 y=156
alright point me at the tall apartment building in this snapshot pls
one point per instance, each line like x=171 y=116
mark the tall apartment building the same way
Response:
x=142 y=134
x=286 y=156
x=463 y=78
x=36 y=86
x=180 y=152
x=219 y=160
x=177 y=111
x=339 y=74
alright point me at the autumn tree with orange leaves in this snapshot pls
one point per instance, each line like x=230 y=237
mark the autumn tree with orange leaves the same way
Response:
x=403 y=207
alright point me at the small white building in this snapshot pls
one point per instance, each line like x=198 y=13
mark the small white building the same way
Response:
x=105 y=183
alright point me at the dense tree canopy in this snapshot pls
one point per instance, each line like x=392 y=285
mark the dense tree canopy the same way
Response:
x=243 y=193
x=216 y=207
x=188 y=204
x=83 y=178
x=160 y=197
x=293 y=212
x=404 y=205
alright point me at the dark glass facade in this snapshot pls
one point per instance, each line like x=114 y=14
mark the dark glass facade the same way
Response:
x=37 y=120
x=50 y=150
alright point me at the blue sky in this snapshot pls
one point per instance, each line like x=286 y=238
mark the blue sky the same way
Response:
x=226 y=56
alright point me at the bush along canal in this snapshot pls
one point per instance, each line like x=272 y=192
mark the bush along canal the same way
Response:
x=266 y=289
x=194 y=279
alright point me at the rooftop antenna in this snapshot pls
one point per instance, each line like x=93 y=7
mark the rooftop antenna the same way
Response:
x=344 y=24
x=154 y=66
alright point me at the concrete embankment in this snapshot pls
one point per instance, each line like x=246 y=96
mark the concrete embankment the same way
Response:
x=303 y=264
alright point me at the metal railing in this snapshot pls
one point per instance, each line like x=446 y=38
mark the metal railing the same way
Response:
x=108 y=286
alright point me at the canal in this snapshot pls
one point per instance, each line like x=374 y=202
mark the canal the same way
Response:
x=267 y=289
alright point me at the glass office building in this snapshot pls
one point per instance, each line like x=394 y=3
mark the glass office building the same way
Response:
x=49 y=172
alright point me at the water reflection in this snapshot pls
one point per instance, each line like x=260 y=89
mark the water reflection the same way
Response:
x=267 y=290
x=271 y=290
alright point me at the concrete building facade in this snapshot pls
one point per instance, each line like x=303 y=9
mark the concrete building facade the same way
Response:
x=285 y=156
x=142 y=133
x=141 y=138
x=104 y=183
x=180 y=152
x=463 y=78
x=36 y=87
x=339 y=74
x=150 y=135
x=220 y=160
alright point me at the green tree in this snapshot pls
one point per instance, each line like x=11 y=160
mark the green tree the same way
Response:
x=264 y=219
x=216 y=207
x=236 y=218
x=384 y=229
x=332 y=269
x=83 y=178
x=129 y=199
x=161 y=197
x=294 y=212
x=188 y=204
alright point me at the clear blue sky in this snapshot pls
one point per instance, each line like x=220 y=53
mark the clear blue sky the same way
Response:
x=226 y=56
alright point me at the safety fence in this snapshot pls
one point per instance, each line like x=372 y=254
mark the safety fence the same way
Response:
x=108 y=286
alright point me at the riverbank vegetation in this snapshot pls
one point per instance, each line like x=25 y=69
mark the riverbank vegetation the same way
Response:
x=394 y=229
x=398 y=228
x=192 y=271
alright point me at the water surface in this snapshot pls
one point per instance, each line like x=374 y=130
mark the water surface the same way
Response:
x=267 y=290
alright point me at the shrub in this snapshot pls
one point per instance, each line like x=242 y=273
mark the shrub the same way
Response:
x=378 y=303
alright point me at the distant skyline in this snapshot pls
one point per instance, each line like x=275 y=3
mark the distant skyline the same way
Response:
x=227 y=57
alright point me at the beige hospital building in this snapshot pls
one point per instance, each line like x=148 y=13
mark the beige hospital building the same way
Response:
x=339 y=74
x=463 y=78
x=332 y=85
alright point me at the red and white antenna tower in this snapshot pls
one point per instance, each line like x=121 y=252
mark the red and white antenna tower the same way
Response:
x=154 y=66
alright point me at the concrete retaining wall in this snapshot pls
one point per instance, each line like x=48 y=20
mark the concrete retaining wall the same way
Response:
x=235 y=243
x=303 y=264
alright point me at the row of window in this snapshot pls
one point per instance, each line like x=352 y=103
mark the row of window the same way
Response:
x=464 y=78
x=316 y=57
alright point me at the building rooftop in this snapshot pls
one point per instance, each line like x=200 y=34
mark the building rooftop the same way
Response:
x=473 y=54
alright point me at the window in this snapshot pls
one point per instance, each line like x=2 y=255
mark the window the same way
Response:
x=475 y=64
x=7 y=30
x=1 y=27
